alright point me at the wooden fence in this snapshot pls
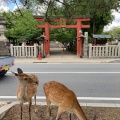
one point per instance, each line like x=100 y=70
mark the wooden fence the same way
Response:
x=24 y=51
x=110 y=51
x=105 y=51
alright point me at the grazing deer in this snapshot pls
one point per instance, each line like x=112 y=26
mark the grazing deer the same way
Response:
x=27 y=88
x=64 y=98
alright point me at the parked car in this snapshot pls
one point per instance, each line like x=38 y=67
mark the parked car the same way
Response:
x=6 y=60
x=5 y=63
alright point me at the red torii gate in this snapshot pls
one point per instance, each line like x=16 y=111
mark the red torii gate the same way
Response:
x=47 y=27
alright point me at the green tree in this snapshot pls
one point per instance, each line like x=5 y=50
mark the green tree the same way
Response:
x=100 y=11
x=64 y=35
x=115 y=32
x=20 y=27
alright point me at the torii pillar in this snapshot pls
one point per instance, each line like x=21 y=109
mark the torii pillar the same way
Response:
x=47 y=41
x=79 y=41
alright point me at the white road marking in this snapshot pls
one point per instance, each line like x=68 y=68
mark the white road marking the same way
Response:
x=72 y=72
x=79 y=98
x=46 y=63
x=69 y=62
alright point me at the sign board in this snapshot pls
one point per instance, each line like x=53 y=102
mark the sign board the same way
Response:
x=62 y=22
x=101 y=36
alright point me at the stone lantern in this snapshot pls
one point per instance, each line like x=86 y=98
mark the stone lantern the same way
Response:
x=4 y=43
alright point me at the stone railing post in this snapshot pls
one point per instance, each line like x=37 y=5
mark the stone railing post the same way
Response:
x=35 y=50
x=85 y=46
x=11 y=49
x=90 y=50
x=118 y=49
x=106 y=50
x=23 y=49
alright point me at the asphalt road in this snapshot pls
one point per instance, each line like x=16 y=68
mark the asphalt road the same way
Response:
x=91 y=82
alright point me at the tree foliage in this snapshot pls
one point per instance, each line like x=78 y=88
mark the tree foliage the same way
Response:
x=100 y=11
x=20 y=27
x=64 y=35
x=115 y=32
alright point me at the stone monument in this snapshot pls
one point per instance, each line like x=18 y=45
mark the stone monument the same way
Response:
x=85 y=45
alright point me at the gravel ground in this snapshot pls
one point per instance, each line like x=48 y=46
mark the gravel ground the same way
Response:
x=101 y=113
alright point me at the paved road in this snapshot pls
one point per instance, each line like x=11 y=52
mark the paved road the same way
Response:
x=94 y=82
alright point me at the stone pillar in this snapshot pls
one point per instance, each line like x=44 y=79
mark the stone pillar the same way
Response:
x=85 y=45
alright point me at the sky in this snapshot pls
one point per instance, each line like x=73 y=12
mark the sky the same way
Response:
x=12 y=6
x=115 y=22
x=8 y=6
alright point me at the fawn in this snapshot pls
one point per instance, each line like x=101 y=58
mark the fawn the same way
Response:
x=64 y=98
x=27 y=88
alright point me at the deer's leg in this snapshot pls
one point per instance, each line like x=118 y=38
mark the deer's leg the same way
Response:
x=69 y=116
x=60 y=110
x=21 y=110
x=35 y=104
x=48 y=106
x=30 y=103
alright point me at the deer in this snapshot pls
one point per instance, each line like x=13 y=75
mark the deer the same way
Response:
x=27 y=88
x=61 y=96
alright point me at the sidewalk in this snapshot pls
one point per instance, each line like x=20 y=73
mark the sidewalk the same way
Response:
x=65 y=59
x=57 y=56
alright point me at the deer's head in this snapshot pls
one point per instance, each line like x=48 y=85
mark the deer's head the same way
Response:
x=23 y=78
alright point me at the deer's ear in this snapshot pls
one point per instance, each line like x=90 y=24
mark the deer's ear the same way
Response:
x=14 y=73
x=19 y=71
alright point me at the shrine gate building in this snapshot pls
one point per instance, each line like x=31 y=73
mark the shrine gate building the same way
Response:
x=62 y=24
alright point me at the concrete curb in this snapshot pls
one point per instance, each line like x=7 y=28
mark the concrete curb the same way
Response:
x=5 y=108
x=68 y=60
x=99 y=105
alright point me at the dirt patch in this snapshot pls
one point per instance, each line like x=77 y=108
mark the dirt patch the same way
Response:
x=101 y=113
